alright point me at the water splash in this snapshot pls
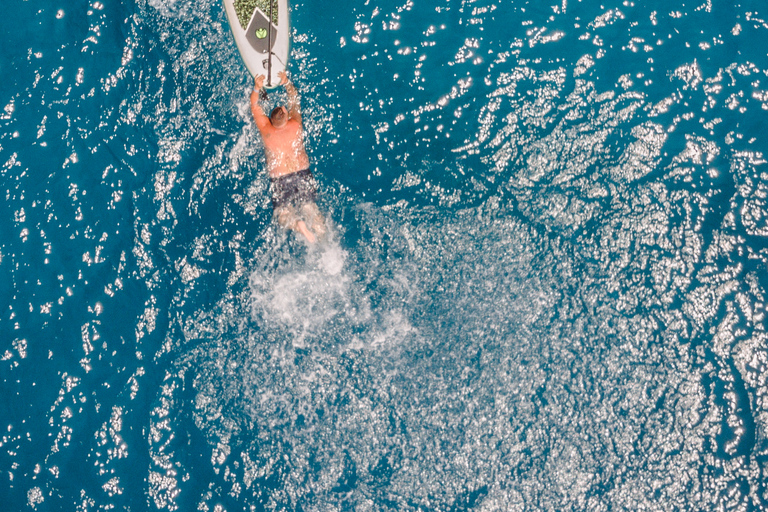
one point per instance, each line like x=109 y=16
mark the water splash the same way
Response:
x=547 y=291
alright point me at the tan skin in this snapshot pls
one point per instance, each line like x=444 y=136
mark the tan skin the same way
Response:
x=283 y=141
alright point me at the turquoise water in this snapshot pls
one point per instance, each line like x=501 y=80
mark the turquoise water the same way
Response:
x=544 y=289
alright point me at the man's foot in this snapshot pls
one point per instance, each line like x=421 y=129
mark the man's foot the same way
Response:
x=302 y=228
x=312 y=216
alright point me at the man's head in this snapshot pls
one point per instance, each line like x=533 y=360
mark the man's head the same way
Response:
x=279 y=117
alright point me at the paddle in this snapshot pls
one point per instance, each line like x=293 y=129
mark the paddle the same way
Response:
x=269 y=45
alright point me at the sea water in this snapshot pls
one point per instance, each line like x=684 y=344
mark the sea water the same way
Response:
x=544 y=287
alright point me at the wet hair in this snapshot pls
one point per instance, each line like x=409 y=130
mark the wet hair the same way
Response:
x=277 y=116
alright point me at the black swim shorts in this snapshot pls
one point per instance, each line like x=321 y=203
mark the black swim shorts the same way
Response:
x=293 y=189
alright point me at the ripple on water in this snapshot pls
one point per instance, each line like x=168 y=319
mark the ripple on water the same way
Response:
x=493 y=381
x=546 y=290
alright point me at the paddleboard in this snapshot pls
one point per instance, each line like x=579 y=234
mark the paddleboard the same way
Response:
x=261 y=29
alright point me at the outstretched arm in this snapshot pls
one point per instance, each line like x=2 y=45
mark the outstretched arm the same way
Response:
x=262 y=121
x=293 y=96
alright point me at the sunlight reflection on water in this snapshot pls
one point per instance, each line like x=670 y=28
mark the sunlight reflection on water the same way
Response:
x=545 y=289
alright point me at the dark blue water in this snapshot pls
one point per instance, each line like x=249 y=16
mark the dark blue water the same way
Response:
x=545 y=288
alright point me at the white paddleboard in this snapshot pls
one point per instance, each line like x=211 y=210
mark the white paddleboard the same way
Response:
x=264 y=46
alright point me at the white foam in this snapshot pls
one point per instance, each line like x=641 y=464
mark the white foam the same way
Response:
x=302 y=296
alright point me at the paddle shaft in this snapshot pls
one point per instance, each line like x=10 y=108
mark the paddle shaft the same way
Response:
x=269 y=44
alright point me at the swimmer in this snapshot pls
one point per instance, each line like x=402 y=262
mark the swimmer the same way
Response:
x=294 y=192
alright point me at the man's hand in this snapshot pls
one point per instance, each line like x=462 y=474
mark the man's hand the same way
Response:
x=283 y=78
x=258 y=82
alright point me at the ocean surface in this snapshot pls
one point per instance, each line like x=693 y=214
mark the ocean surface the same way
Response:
x=544 y=287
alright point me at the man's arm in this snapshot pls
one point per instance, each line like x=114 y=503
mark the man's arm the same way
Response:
x=262 y=121
x=293 y=97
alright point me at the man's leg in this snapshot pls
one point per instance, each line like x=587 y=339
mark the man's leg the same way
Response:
x=311 y=213
x=301 y=227
x=287 y=218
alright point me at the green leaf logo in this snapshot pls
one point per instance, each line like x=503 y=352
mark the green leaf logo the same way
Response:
x=261 y=33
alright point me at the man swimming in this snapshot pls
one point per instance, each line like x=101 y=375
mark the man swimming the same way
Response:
x=293 y=187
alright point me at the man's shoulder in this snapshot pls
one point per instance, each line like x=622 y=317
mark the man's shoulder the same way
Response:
x=265 y=126
x=295 y=123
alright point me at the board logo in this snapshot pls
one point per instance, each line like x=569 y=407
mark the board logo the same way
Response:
x=261 y=33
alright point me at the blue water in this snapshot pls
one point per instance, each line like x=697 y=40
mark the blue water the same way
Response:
x=544 y=289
